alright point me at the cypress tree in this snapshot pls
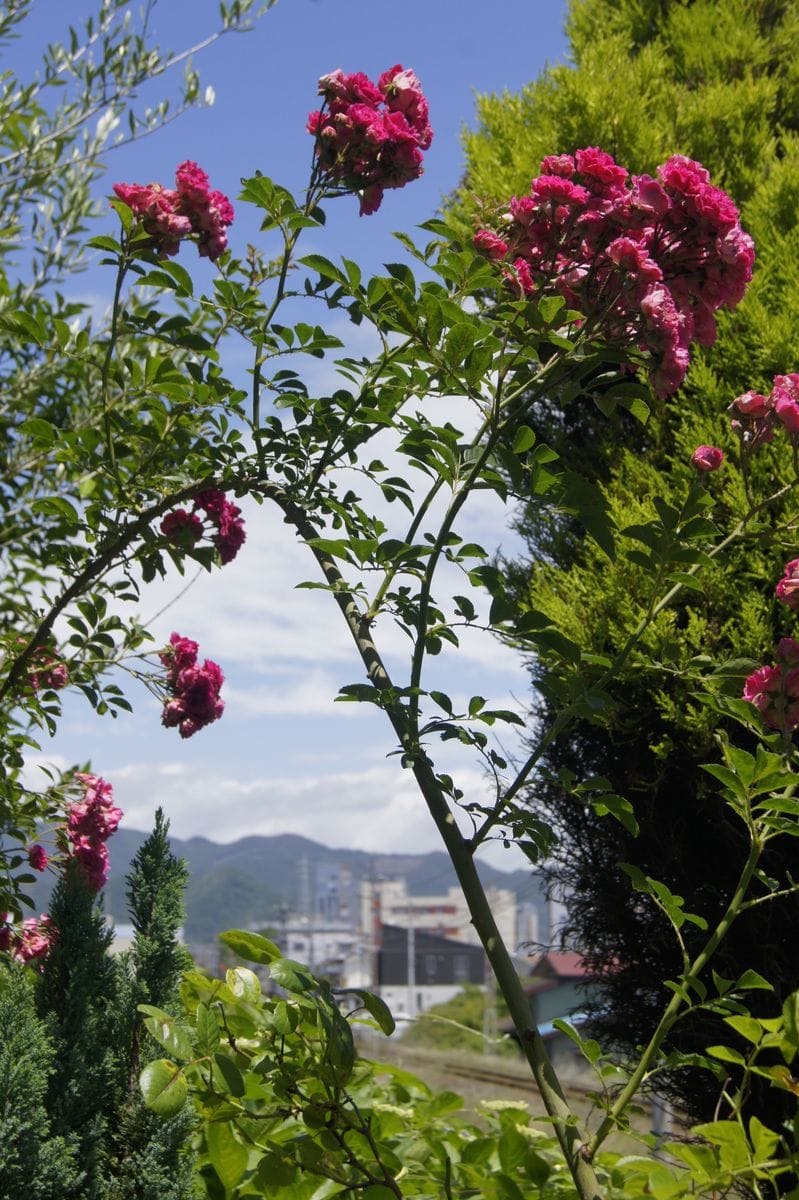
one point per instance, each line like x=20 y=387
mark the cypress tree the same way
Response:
x=717 y=80
x=76 y=995
x=151 y=1158
x=34 y=1164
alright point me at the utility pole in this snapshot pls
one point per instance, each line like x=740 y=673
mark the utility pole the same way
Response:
x=489 y=1007
x=411 y=965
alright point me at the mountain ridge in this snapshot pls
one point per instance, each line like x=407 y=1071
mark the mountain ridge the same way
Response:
x=238 y=883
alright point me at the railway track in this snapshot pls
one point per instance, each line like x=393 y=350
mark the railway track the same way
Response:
x=508 y=1080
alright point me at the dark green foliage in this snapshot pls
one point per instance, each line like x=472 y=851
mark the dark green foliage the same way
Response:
x=717 y=81
x=34 y=1164
x=89 y=1001
x=77 y=997
x=150 y=1157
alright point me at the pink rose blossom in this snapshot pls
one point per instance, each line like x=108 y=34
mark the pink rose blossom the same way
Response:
x=558 y=164
x=90 y=823
x=96 y=815
x=785 y=400
x=182 y=528
x=93 y=858
x=707 y=458
x=489 y=244
x=554 y=189
x=48 y=671
x=171 y=215
x=646 y=262
x=752 y=404
x=226 y=526
x=774 y=691
x=403 y=93
x=787 y=590
x=370 y=138
x=37 y=857
x=31 y=942
x=787 y=652
x=194 y=700
x=601 y=170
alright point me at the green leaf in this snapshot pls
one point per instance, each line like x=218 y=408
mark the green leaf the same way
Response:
x=726 y=1054
x=291 y=975
x=751 y=980
x=549 y=307
x=250 y=946
x=458 y=343
x=524 y=439
x=40 y=430
x=208 y=1030
x=228 y=1156
x=232 y=1076
x=57 y=506
x=378 y=1009
x=167 y=1032
x=324 y=267
x=104 y=242
x=243 y=983
x=748 y=1028
x=790 y=1016
x=163 y=1087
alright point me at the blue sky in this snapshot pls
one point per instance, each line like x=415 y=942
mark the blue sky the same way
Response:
x=285 y=758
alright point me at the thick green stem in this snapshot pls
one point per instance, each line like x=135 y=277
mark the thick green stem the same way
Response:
x=564 y=1120
x=105 y=389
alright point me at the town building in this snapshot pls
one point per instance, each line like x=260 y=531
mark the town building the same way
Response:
x=388 y=902
x=416 y=970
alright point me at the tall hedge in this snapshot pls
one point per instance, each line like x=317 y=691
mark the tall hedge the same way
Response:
x=717 y=80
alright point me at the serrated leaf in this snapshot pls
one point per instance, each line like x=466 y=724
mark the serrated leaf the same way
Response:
x=324 y=267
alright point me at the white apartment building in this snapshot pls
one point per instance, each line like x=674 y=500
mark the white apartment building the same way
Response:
x=387 y=902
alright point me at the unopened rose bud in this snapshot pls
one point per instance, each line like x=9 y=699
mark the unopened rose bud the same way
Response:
x=707 y=458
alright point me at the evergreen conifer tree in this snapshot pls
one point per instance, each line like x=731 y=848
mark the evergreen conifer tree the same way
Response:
x=151 y=1156
x=34 y=1164
x=717 y=80
x=76 y=996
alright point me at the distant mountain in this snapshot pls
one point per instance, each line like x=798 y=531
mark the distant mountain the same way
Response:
x=247 y=881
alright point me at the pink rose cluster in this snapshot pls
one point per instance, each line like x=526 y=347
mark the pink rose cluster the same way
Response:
x=48 y=671
x=775 y=690
x=185 y=529
x=170 y=215
x=31 y=942
x=90 y=823
x=37 y=857
x=193 y=690
x=755 y=417
x=371 y=137
x=647 y=262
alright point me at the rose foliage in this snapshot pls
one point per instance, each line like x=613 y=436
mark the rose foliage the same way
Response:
x=126 y=453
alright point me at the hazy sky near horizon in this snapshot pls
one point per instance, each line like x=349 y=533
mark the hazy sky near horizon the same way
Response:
x=285 y=757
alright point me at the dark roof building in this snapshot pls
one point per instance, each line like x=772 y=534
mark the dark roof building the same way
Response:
x=437 y=960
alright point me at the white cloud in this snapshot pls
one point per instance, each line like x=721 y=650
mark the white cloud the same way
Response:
x=375 y=807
